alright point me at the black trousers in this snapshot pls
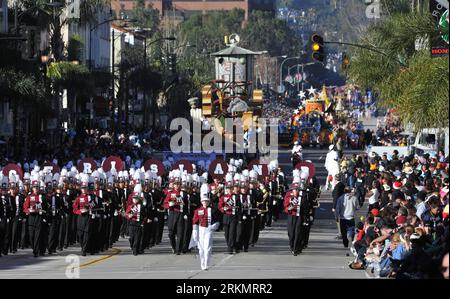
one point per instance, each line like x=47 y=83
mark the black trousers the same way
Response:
x=175 y=225
x=124 y=227
x=295 y=230
x=256 y=227
x=38 y=233
x=347 y=230
x=62 y=231
x=160 y=227
x=84 y=231
x=16 y=232
x=273 y=211
x=153 y=231
x=68 y=229
x=2 y=234
x=7 y=237
x=244 y=230
x=230 y=224
x=146 y=234
x=54 y=226
x=187 y=233
x=135 y=232
x=114 y=232
x=25 y=236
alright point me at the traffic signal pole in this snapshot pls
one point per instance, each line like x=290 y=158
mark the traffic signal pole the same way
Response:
x=367 y=48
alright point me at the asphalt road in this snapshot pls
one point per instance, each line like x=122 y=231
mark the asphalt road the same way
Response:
x=270 y=258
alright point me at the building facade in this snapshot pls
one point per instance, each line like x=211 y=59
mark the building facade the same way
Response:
x=190 y=7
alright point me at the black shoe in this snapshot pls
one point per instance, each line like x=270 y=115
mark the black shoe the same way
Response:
x=230 y=252
x=35 y=255
x=295 y=253
x=50 y=252
x=83 y=254
x=245 y=249
x=178 y=253
x=237 y=251
x=135 y=253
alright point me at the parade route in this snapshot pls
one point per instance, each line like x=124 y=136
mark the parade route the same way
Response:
x=270 y=258
x=325 y=256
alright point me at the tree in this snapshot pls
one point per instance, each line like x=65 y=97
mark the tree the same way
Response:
x=264 y=32
x=407 y=79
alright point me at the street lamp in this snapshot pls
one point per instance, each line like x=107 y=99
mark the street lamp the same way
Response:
x=281 y=67
x=144 y=32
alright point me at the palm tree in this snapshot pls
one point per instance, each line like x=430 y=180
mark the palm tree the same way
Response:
x=407 y=79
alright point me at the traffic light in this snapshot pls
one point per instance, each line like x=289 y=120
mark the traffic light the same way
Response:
x=318 y=51
x=172 y=63
x=345 y=61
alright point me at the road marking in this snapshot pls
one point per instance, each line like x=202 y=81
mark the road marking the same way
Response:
x=116 y=251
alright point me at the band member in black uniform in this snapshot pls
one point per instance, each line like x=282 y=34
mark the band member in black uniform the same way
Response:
x=5 y=218
x=158 y=199
x=256 y=197
x=17 y=201
x=275 y=198
x=54 y=217
x=114 y=209
x=313 y=203
x=193 y=202
x=36 y=207
x=245 y=223
x=176 y=203
x=82 y=206
x=66 y=210
x=229 y=205
x=295 y=204
x=136 y=216
x=123 y=194
x=150 y=214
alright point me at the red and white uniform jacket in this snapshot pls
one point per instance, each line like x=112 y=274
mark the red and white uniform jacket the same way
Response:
x=205 y=217
x=33 y=203
x=135 y=212
x=292 y=204
x=81 y=204
x=174 y=201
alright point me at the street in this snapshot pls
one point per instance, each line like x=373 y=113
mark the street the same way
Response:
x=325 y=256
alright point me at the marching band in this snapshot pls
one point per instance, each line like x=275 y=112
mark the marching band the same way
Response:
x=50 y=211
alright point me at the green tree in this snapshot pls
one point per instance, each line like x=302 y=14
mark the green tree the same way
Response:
x=407 y=79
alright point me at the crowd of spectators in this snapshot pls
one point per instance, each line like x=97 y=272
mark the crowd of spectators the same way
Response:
x=402 y=231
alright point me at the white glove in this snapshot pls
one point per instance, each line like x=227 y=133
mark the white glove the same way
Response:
x=155 y=219
x=274 y=202
x=171 y=203
x=93 y=216
x=98 y=216
x=194 y=236
x=244 y=217
x=149 y=220
x=185 y=217
x=116 y=213
x=214 y=226
x=104 y=216
x=311 y=218
x=225 y=208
